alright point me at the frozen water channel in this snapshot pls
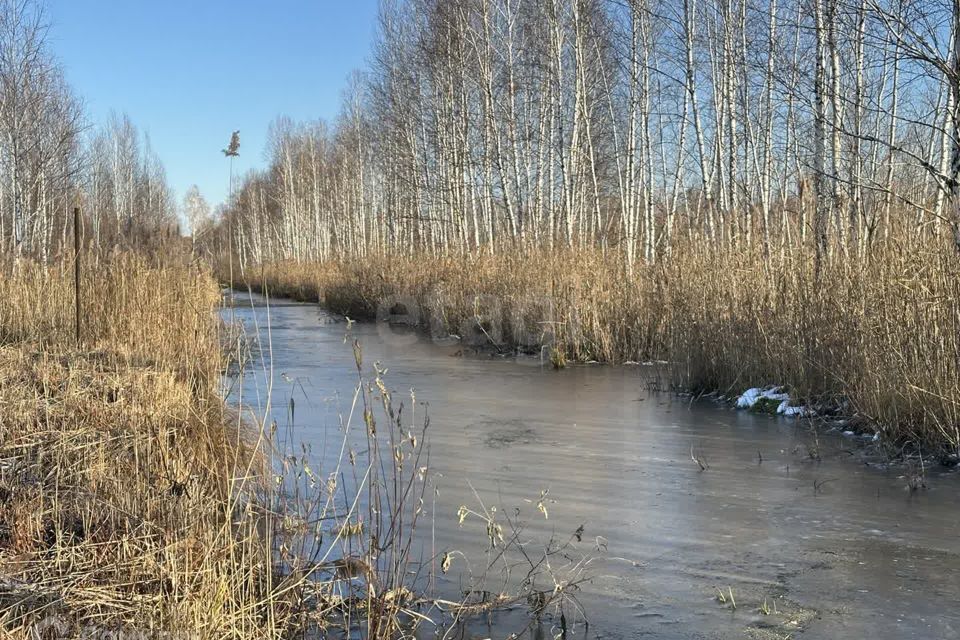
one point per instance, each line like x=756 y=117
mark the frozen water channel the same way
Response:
x=836 y=548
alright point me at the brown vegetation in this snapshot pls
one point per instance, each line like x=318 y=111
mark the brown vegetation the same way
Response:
x=134 y=500
x=125 y=483
x=880 y=334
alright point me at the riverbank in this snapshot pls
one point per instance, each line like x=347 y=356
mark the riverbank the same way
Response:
x=125 y=484
x=879 y=337
x=135 y=500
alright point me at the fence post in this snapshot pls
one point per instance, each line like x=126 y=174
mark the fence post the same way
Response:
x=76 y=272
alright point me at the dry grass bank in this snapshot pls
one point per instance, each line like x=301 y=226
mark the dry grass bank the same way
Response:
x=134 y=503
x=882 y=335
x=125 y=487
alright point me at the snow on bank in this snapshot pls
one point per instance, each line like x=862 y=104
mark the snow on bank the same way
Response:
x=752 y=396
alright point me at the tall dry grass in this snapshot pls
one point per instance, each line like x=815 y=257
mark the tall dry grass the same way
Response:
x=134 y=502
x=878 y=336
x=152 y=310
x=126 y=488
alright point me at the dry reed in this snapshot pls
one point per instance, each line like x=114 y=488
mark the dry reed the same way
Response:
x=126 y=486
x=879 y=337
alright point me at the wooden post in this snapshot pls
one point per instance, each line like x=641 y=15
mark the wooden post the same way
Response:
x=76 y=271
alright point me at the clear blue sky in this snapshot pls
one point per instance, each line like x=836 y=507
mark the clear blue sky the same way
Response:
x=191 y=72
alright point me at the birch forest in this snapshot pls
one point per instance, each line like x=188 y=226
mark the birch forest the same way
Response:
x=52 y=159
x=630 y=126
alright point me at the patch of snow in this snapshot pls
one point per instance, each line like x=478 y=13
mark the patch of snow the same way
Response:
x=800 y=411
x=786 y=410
x=752 y=396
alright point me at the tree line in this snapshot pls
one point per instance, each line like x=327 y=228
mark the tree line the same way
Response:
x=629 y=125
x=52 y=160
